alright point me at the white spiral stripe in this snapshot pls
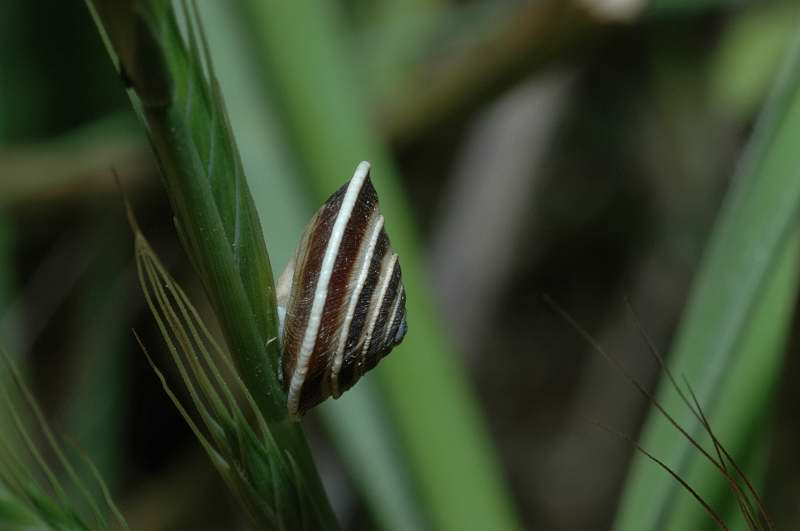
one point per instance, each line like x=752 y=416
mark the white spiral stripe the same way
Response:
x=351 y=307
x=395 y=305
x=377 y=301
x=321 y=291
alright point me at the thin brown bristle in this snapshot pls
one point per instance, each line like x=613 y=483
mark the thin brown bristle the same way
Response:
x=743 y=500
x=713 y=514
x=631 y=379
x=722 y=453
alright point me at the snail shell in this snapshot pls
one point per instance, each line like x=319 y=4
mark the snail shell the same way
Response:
x=340 y=299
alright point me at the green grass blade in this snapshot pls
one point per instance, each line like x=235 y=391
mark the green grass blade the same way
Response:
x=367 y=441
x=733 y=334
x=448 y=451
x=186 y=121
x=174 y=88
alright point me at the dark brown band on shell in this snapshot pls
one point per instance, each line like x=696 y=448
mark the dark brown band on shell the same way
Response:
x=346 y=309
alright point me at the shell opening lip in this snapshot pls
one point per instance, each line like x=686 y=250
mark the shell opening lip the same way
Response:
x=401 y=332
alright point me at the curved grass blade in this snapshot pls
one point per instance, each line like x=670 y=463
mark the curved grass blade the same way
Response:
x=734 y=331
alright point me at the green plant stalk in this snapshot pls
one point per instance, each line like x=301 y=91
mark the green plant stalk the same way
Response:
x=357 y=423
x=436 y=415
x=731 y=340
x=185 y=119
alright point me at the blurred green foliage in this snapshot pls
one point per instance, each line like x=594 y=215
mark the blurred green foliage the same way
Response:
x=659 y=111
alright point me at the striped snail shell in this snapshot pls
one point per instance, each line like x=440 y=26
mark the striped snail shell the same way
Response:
x=341 y=299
